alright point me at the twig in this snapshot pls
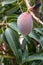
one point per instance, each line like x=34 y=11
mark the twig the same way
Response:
x=6 y=56
x=19 y=5
x=33 y=15
x=2 y=24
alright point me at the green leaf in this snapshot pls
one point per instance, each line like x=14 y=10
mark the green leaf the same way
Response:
x=7 y=2
x=27 y=38
x=11 y=38
x=32 y=58
x=39 y=30
x=37 y=37
x=34 y=36
x=13 y=25
x=12 y=10
x=1 y=38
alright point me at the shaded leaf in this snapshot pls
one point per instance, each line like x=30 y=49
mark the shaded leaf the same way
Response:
x=13 y=25
x=32 y=58
x=4 y=2
x=11 y=38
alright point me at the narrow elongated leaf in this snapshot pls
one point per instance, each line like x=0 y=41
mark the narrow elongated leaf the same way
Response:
x=39 y=30
x=27 y=38
x=37 y=37
x=11 y=38
x=0 y=39
x=34 y=36
x=12 y=10
x=13 y=25
x=32 y=58
x=7 y=2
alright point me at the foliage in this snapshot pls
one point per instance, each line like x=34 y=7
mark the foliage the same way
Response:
x=30 y=52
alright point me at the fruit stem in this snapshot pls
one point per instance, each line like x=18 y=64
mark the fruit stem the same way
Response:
x=32 y=14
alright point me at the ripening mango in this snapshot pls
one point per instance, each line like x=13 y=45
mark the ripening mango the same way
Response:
x=25 y=23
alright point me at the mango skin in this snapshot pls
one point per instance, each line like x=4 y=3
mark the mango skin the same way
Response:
x=25 y=23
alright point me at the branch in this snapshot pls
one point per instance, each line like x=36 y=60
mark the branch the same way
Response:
x=6 y=56
x=33 y=15
x=2 y=24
